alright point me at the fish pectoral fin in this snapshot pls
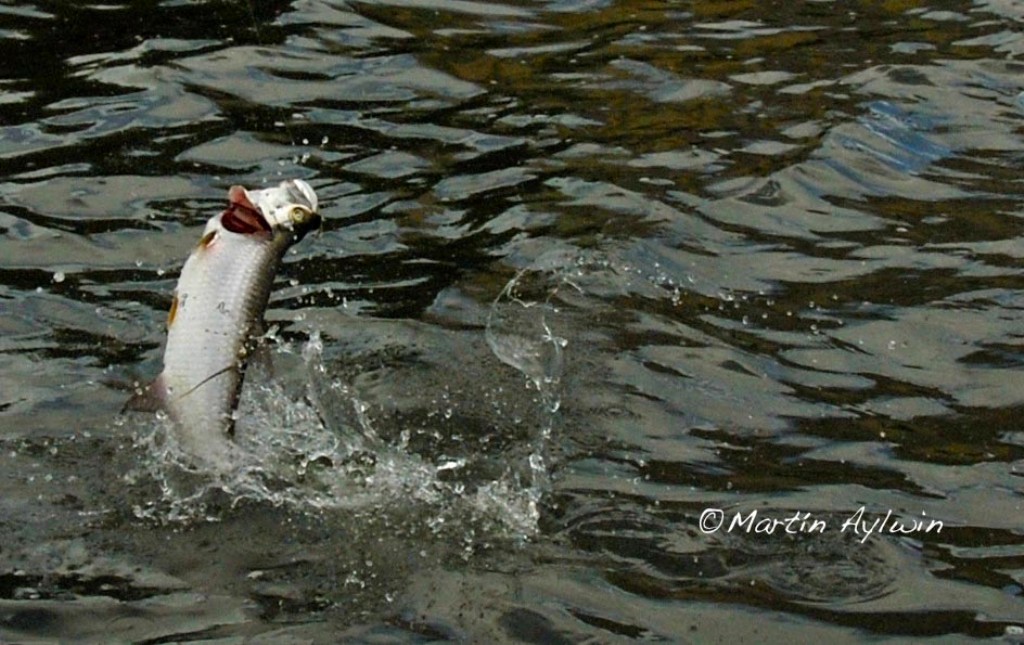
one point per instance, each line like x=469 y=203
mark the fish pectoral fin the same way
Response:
x=223 y=370
x=151 y=398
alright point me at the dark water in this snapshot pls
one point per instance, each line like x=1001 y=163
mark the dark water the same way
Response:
x=588 y=269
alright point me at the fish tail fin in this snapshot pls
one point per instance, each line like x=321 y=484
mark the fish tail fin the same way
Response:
x=151 y=398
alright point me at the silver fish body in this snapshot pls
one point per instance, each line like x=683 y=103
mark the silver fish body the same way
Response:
x=217 y=308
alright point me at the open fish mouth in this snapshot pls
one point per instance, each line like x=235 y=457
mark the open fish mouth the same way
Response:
x=241 y=215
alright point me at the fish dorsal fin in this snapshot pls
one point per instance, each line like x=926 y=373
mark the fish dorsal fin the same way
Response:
x=151 y=398
x=241 y=215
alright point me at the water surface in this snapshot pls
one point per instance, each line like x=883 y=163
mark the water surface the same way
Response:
x=588 y=269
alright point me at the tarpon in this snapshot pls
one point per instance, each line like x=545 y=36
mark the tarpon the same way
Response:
x=217 y=313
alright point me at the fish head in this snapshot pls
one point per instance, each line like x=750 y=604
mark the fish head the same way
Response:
x=291 y=205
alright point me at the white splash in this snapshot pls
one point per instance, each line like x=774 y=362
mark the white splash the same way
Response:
x=318 y=450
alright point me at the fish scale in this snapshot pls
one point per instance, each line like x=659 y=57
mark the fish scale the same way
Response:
x=221 y=295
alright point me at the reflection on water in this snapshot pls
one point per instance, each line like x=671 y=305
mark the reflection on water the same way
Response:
x=588 y=268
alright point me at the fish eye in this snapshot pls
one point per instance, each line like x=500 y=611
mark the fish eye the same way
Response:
x=299 y=214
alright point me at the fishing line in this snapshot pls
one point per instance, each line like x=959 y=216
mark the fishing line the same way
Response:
x=291 y=134
x=259 y=41
x=299 y=159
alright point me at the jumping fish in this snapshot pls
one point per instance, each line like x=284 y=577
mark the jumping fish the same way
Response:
x=217 y=313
